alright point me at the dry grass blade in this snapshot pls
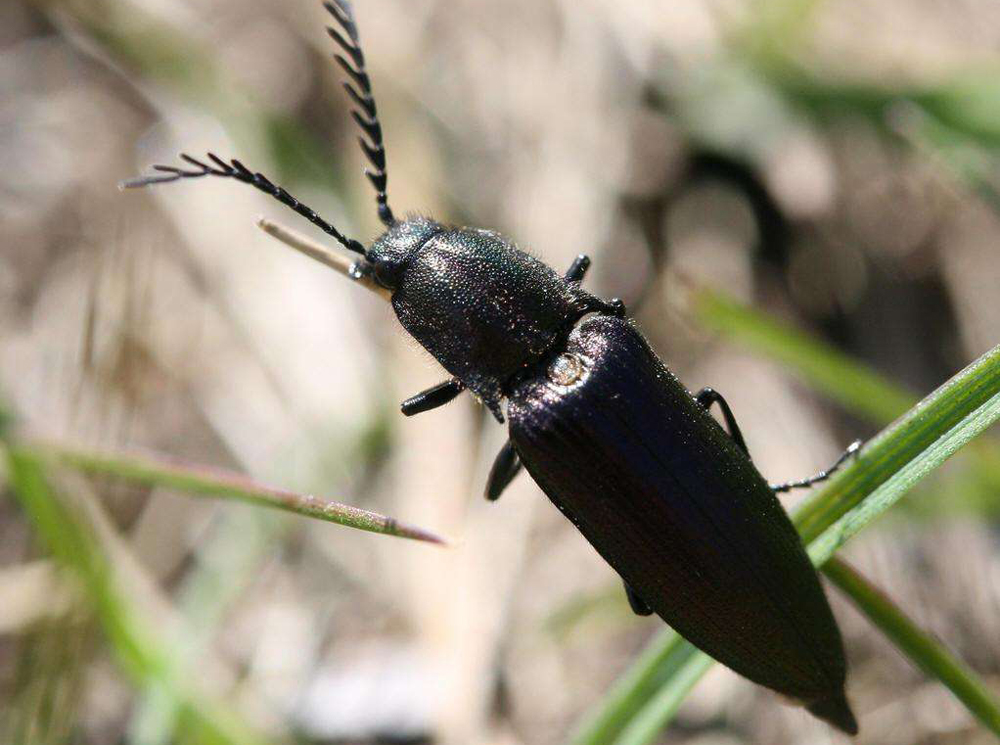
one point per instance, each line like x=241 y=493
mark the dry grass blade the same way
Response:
x=336 y=260
x=160 y=471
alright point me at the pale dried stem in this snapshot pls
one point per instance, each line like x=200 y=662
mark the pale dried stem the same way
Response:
x=339 y=261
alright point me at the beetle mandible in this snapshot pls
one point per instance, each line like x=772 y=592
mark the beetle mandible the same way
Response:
x=667 y=497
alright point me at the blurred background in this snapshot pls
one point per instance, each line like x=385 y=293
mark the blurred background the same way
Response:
x=830 y=164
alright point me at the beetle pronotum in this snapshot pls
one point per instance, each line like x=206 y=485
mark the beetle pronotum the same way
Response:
x=669 y=498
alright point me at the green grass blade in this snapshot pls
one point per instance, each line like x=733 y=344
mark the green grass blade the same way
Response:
x=158 y=471
x=852 y=384
x=886 y=469
x=687 y=665
x=907 y=450
x=140 y=653
x=654 y=716
x=921 y=648
x=660 y=660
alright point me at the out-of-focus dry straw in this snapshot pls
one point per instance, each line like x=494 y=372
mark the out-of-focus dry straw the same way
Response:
x=337 y=260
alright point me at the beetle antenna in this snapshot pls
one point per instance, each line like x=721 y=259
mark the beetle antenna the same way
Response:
x=359 y=90
x=236 y=170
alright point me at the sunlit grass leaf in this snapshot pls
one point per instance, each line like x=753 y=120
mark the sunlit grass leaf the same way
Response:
x=920 y=647
x=141 y=654
x=903 y=454
x=689 y=665
x=655 y=668
x=954 y=118
x=886 y=469
x=157 y=470
x=855 y=386
x=147 y=660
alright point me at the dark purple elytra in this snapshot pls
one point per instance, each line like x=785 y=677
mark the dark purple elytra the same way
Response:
x=674 y=504
x=670 y=499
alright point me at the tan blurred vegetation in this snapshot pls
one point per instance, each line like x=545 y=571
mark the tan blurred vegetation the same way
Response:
x=831 y=162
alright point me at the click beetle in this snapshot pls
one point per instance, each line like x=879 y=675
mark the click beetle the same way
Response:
x=669 y=499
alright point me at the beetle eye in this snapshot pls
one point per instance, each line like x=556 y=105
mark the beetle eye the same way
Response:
x=387 y=272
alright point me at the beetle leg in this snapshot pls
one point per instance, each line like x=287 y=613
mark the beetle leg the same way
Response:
x=506 y=466
x=578 y=268
x=616 y=307
x=708 y=396
x=822 y=475
x=439 y=395
x=613 y=307
x=639 y=606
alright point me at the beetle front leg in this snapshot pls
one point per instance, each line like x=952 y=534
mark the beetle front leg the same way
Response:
x=506 y=466
x=439 y=395
x=822 y=475
x=708 y=396
x=639 y=606
x=578 y=269
x=575 y=273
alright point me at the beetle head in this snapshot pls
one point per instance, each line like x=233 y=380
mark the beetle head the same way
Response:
x=392 y=251
x=482 y=307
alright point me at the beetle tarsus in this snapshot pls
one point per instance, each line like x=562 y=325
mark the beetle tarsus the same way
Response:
x=493 y=404
x=708 y=396
x=616 y=307
x=822 y=475
x=506 y=466
x=432 y=398
x=578 y=269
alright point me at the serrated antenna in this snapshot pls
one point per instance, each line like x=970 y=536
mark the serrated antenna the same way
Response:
x=359 y=90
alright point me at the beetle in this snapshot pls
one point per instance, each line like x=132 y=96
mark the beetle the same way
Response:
x=670 y=499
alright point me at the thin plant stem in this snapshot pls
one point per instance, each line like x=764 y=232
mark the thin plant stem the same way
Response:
x=920 y=647
x=157 y=470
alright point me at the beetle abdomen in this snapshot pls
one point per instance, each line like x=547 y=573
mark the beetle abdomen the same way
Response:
x=679 y=511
